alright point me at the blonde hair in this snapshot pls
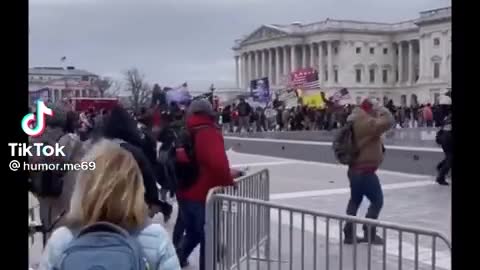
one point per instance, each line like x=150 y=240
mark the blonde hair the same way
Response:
x=112 y=192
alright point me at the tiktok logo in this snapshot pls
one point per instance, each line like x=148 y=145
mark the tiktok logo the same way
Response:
x=39 y=119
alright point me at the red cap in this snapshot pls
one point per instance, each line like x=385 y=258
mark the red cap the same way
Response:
x=367 y=105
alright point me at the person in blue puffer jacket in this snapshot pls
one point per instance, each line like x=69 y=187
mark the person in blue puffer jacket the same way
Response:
x=97 y=193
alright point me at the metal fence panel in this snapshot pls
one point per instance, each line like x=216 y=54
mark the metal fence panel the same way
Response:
x=239 y=232
x=306 y=239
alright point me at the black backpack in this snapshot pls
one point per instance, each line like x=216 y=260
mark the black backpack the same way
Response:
x=344 y=145
x=180 y=174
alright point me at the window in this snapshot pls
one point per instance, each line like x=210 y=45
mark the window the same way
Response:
x=41 y=78
x=372 y=75
x=396 y=75
x=358 y=75
x=372 y=50
x=84 y=78
x=385 y=76
x=436 y=70
x=385 y=50
x=436 y=42
x=326 y=75
x=335 y=50
x=335 y=75
x=358 y=50
x=396 y=51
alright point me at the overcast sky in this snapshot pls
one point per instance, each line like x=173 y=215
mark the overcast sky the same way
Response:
x=172 y=41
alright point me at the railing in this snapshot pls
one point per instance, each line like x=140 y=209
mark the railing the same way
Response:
x=234 y=249
x=303 y=239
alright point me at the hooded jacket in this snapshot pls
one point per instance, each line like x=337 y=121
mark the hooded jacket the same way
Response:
x=214 y=169
x=120 y=125
x=368 y=131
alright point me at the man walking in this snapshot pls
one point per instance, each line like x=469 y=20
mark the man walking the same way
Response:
x=244 y=111
x=370 y=121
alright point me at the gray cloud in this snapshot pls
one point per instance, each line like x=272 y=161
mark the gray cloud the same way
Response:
x=173 y=41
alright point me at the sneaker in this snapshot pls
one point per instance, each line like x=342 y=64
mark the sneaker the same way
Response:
x=349 y=240
x=377 y=240
x=442 y=182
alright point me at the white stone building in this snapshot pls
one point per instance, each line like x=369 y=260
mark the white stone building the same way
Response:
x=403 y=61
x=62 y=82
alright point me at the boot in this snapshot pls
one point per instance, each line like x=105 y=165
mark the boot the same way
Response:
x=441 y=181
x=348 y=233
x=371 y=236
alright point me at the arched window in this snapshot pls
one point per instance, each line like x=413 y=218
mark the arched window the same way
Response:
x=413 y=100
x=403 y=100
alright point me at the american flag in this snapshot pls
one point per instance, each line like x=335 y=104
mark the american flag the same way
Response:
x=305 y=79
x=341 y=94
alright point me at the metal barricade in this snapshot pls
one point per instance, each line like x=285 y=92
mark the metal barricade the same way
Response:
x=306 y=239
x=234 y=248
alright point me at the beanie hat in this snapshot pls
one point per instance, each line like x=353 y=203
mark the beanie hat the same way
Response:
x=201 y=106
x=367 y=105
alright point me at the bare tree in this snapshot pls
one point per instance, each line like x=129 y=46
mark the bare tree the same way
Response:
x=140 y=91
x=103 y=85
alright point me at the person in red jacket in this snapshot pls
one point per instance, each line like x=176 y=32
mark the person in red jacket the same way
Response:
x=214 y=170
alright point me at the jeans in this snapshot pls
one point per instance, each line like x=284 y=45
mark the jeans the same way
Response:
x=368 y=185
x=244 y=123
x=444 y=166
x=179 y=228
x=193 y=217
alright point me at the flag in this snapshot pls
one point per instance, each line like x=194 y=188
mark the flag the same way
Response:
x=305 y=79
x=341 y=94
x=63 y=59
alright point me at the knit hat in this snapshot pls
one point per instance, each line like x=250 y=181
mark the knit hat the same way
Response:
x=367 y=105
x=200 y=106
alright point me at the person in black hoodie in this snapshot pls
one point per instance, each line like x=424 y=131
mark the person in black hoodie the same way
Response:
x=122 y=127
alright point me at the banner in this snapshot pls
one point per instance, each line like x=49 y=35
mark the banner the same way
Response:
x=179 y=95
x=260 y=90
x=313 y=101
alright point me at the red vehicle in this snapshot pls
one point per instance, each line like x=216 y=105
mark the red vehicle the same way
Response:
x=81 y=104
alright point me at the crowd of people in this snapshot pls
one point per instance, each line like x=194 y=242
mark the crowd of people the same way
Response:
x=134 y=153
x=137 y=152
x=242 y=117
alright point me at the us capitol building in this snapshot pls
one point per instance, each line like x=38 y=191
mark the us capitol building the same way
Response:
x=407 y=61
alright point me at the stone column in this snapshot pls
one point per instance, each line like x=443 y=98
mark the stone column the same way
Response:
x=253 y=66
x=400 y=62
x=237 y=82
x=271 y=66
x=330 y=61
x=285 y=61
x=410 y=62
x=320 y=62
x=304 y=56
x=264 y=64
x=245 y=70
x=444 y=69
x=293 y=58
x=277 y=63
x=312 y=55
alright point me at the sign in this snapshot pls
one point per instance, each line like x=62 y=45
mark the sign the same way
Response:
x=260 y=90
x=313 y=101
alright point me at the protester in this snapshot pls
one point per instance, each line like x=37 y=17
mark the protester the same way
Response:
x=446 y=142
x=369 y=123
x=213 y=171
x=52 y=188
x=244 y=113
x=113 y=194
x=428 y=115
x=129 y=137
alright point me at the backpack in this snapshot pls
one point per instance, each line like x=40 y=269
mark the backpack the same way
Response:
x=178 y=160
x=344 y=145
x=103 y=246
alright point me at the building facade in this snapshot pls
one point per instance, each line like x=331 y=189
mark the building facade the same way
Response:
x=56 y=83
x=407 y=62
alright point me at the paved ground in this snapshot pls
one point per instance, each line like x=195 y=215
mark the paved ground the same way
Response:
x=410 y=199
